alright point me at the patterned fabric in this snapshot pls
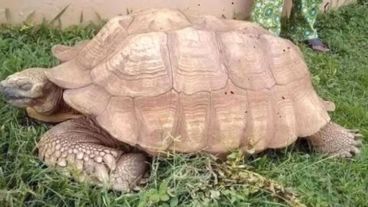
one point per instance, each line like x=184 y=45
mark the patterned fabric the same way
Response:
x=302 y=18
x=268 y=14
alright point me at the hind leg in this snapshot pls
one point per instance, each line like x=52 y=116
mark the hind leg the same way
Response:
x=86 y=152
x=336 y=141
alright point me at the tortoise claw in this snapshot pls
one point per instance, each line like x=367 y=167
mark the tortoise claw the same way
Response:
x=337 y=141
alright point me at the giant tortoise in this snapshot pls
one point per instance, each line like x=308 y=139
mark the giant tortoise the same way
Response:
x=158 y=81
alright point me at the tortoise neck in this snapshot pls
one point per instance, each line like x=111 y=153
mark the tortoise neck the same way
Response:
x=52 y=108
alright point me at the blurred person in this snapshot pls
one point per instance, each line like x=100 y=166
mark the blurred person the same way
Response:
x=303 y=15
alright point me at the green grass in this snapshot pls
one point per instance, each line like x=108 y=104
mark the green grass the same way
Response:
x=340 y=76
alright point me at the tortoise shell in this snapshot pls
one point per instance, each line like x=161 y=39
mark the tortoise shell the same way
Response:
x=160 y=80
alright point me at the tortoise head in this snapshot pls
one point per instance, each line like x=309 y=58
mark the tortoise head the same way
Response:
x=30 y=88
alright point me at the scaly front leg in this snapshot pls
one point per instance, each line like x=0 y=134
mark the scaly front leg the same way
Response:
x=88 y=153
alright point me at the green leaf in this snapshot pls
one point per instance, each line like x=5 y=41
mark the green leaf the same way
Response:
x=174 y=201
x=165 y=197
x=154 y=198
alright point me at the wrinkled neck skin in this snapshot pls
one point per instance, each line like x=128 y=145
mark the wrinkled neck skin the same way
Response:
x=51 y=108
x=50 y=102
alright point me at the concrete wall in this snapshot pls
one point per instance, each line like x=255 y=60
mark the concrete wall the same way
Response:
x=84 y=11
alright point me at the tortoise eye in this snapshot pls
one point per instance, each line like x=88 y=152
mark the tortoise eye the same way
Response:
x=25 y=86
